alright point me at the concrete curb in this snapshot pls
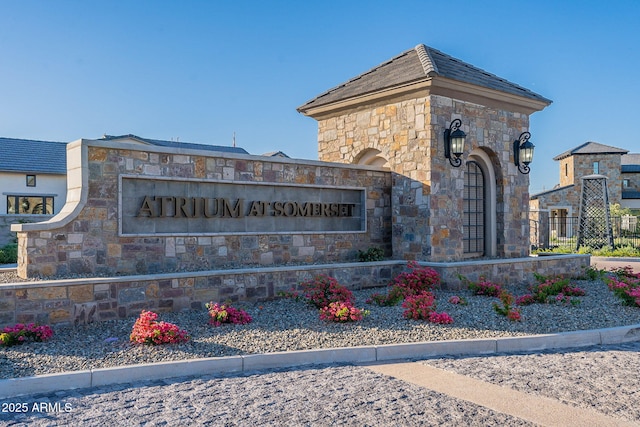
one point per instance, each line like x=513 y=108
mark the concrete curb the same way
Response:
x=364 y=354
x=8 y=267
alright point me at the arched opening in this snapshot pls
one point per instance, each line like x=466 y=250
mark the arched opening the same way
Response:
x=480 y=234
x=371 y=157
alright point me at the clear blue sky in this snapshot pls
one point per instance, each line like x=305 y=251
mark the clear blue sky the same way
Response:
x=202 y=70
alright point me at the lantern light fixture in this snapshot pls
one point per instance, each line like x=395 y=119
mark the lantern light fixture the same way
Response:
x=523 y=152
x=454 y=143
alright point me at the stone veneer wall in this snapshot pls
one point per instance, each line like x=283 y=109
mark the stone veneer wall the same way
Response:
x=609 y=167
x=409 y=134
x=81 y=301
x=580 y=165
x=6 y=235
x=84 y=239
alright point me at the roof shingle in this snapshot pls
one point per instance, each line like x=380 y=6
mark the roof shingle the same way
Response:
x=591 y=147
x=32 y=156
x=414 y=65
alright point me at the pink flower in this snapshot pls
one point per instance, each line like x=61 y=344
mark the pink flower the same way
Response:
x=225 y=313
x=146 y=330
x=342 y=311
x=514 y=315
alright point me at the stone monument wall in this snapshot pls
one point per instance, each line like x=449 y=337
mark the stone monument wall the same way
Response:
x=134 y=209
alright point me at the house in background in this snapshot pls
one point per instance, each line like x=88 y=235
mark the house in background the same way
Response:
x=33 y=176
x=33 y=181
x=558 y=206
x=630 y=168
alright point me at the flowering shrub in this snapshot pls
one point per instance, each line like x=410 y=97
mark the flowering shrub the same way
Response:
x=323 y=290
x=626 y=286
x=458 y=300
x=626 y=271
x=342 y=311
x=514 y=315
x=417 y=280
x=20 y=333
x=506 y=309
x=413 y=282
x=225 y=313
x=414 y=287
x=635 y=293
x=147 y=330
x=442 y=318
x=393 y=297
x=526 y=299
x=550 y=288
x=419 y=306
x=483 y=287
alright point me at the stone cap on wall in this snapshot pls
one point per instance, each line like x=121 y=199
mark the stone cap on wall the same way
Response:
x=78 y=174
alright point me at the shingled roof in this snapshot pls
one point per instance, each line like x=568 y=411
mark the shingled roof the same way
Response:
x=31 y=156
x=591 y=148
x=176 y=144
x=421 y=63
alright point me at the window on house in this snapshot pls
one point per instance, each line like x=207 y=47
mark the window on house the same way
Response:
x=474 y=201
x=625 y=183
x=31 y=180
x=566 y=169
x=596 y=167
x=29 y=205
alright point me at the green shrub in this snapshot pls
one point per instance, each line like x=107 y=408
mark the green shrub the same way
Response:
x=370 y=255
x=9 y=254
x=620 y=251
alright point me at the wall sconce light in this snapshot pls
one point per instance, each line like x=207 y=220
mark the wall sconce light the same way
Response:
x=454 y=143
x=523 y=152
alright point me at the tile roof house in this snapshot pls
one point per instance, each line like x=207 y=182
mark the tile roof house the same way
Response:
x=23 y=155
x=33 y=176
x=32 y=181
x=395 y=115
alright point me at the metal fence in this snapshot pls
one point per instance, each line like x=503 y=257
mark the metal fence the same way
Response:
x=562 y=232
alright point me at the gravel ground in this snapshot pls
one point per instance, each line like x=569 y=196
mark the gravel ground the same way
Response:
x=601 y=378
x=285 y=325
x=319 y=396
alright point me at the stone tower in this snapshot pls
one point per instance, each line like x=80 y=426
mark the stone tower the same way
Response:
x=395 y=115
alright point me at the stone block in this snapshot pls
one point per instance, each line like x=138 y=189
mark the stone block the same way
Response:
x=84 y=314
x=129 y=295
x=152 y=290
x=206 y=295
x=7 y=304
x=81 y=293
x=61 y=315
x=46 y=293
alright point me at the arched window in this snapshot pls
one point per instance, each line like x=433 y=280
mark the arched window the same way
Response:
x=371 y=157
x=474 y=211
